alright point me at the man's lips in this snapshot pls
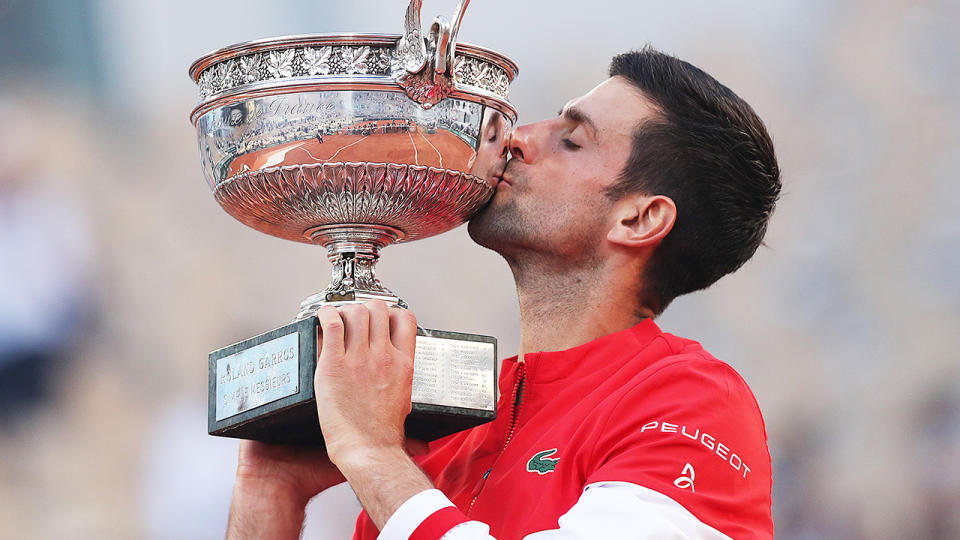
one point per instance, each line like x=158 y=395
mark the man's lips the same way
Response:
x=504 y=177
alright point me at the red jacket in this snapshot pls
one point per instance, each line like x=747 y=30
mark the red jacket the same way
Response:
x=638 y=406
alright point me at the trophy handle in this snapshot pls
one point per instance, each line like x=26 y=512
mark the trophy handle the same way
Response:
x=411 y=50
x=440 y=37
x=426 y=72
x=454 y=30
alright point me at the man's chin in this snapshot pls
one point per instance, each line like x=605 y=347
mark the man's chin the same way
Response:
x=476 y=228
x=495 y=224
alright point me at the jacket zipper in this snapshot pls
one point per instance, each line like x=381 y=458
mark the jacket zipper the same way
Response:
x=516 y=397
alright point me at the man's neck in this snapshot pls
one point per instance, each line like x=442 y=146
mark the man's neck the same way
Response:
x=563 y=307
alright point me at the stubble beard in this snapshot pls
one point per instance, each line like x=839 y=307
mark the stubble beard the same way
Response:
x=498 y=226
x=501 y=225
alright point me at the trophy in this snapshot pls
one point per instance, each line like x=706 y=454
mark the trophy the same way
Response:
x=353 y=142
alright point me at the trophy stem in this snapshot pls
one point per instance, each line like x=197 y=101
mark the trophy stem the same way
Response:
x=354 y=250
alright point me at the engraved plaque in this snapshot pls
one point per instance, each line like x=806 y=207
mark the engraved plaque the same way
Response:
x=454 y=373
x=262 y=387
x=259 y=375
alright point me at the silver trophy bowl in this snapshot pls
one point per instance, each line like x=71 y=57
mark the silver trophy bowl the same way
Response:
x=354 y=141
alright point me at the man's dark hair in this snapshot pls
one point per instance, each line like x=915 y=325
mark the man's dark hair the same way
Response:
x=709 y=152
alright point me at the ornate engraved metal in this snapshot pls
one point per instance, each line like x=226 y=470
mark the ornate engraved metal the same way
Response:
x=292 y=201
x=342 y=60
x=481 y=75
x=411 y=51
x=429 y=81
x=354 y=141
x=293 y=63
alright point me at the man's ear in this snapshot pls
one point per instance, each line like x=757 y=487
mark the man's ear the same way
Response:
x=642 y=221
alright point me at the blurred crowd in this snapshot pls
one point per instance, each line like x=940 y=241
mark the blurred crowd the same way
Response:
x=119 y=272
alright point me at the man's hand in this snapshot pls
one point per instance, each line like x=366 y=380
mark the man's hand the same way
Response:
x=363 y=386
x=274 y=484
x=364 y=376
x=302 y=472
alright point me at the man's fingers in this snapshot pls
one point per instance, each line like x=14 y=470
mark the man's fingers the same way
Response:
x=356 y=320
x=379 y=323
x=331 y=331
x=403 y=329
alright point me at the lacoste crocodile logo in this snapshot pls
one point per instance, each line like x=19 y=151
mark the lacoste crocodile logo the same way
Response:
x=541 y=464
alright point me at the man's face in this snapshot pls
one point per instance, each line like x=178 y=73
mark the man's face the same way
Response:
x=550 y=199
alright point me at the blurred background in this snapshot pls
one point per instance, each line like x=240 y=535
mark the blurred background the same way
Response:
x=119 y=272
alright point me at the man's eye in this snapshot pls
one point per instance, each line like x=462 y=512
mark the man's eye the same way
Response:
x=570 y=144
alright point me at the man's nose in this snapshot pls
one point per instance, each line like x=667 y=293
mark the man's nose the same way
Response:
x=520 y=144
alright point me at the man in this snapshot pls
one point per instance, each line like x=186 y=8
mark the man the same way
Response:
x=656 y=183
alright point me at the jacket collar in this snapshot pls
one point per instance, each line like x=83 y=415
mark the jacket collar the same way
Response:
x=546 y=367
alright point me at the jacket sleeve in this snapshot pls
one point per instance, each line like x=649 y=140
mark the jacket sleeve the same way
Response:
x=604 y=511
x=692 y=431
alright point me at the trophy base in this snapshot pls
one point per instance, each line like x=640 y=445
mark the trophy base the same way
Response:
x=262 y=388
